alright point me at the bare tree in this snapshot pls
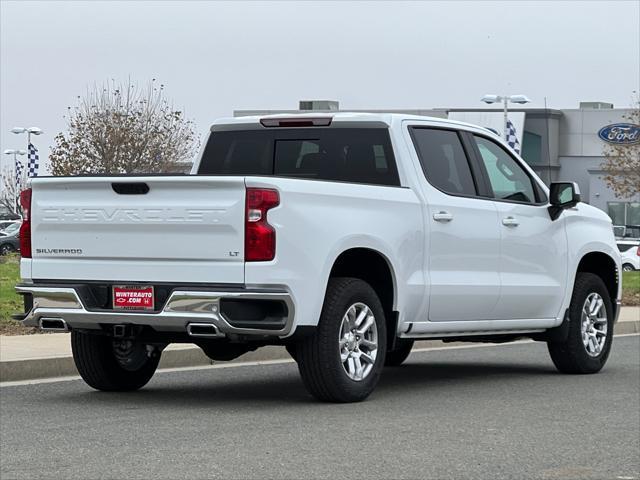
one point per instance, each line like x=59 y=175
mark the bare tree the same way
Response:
x=124 y=129
x=10 y=190
x=622 y=162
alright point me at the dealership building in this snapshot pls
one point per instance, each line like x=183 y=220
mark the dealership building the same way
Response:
x=559 y=144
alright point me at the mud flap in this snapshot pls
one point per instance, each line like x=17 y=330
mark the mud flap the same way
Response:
x=556 y=334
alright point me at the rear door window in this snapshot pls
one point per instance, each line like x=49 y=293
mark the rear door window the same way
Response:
x=444 y=161
x=357 y=155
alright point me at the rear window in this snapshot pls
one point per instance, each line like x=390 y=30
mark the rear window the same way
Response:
x=357 y=155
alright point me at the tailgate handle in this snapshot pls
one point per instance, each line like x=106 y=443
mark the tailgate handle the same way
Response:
x=134 y=188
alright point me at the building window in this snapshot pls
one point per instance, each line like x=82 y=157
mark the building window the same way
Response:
x=531 y=148
x=624 y=213
x=633 y=213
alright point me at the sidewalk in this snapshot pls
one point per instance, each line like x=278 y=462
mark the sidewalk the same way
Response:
x=25 y=357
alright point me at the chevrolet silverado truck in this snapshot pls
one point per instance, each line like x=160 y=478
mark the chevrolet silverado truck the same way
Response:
x=343 y=237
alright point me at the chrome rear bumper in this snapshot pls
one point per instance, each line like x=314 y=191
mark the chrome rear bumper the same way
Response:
x=183 y=307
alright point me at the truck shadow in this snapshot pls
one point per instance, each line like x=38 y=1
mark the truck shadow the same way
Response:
x=280 y=384
x=445 y=375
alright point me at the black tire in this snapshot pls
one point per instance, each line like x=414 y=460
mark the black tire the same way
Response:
x=96 y=360
x=318 y=355
x=570 y=356
x=627 y=267
x=6 y=249
x=396 y=357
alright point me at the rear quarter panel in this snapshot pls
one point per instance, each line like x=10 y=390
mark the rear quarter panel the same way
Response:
x=316 y=221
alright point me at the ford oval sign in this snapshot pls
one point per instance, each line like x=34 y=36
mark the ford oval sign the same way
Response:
x=620 y=133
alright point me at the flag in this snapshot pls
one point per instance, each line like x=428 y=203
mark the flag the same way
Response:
x=19 y=169
x=32 y=161
x=512 y=138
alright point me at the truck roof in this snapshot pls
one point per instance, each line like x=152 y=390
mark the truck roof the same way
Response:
x=386 y=118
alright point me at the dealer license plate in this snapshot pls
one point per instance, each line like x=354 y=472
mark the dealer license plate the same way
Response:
x=133 y=297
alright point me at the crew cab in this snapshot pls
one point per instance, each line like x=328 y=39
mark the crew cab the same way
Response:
x=344 y=237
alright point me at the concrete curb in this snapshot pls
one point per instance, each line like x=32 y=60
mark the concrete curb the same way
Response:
x=62 y=366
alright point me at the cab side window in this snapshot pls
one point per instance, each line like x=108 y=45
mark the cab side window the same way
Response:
x=443 y=160
x=509 y=181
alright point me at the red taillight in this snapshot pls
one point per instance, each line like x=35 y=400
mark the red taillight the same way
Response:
x=259 y=236
x=638 y=251
x=25 y=228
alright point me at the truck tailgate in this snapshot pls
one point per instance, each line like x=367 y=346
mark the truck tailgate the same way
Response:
x=163 y=229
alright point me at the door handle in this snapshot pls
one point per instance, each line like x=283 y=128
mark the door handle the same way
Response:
x=510 y=222
x=442 y=217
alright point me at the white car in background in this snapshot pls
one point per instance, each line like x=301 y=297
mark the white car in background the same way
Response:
x=630 y=253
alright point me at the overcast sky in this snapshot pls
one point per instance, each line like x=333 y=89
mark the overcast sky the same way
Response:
x=215 y=57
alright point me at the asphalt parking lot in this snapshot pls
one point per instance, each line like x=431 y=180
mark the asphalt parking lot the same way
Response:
x=487 y=412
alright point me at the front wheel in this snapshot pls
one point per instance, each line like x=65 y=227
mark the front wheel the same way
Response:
x=588 y=342
x=343 y=359
x=112 y=365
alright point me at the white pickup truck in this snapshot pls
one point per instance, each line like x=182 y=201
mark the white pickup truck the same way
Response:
x=344 y=237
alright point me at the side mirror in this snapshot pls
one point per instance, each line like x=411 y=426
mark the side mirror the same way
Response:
x=562 y=195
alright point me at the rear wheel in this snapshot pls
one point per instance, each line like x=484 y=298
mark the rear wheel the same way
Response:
x=627 y=267
x=113 y=365
x=397 y=356
x=343 y=359
x=588 y=342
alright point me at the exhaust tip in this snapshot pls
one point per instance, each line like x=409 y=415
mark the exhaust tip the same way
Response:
x=53 y=324
x=203 y=330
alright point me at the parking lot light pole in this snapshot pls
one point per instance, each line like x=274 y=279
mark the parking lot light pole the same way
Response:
x=29 y=131
x=505 y=99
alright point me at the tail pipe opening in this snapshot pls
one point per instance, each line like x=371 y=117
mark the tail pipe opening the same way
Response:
x=53 y=325
x=203 y=330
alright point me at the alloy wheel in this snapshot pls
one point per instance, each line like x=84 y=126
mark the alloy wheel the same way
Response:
x=358 y=340
x=594 y=324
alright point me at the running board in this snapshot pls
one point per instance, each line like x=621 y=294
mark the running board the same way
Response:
x=476 y=328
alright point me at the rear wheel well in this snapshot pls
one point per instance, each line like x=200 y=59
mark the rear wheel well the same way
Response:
x=372 y=267
x=604 y=266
